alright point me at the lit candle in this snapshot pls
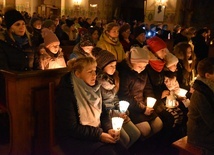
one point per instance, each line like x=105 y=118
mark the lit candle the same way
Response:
x=150 y=102
x=117 y=123
x=182 y=92
x=123 y=105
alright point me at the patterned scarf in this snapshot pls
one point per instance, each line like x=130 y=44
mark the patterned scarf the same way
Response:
x=89 y=101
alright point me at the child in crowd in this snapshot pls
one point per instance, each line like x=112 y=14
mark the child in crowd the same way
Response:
x=109 y=79
x=173 y=87
x=84 y=47
x=83 y=125
x=50 y=54
x=135 y=87
x=186 y=65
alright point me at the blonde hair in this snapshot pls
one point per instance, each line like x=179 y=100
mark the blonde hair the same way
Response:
x=78 y=64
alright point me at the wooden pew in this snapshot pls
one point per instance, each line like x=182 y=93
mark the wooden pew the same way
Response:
x=186 y=148
x=28 y=98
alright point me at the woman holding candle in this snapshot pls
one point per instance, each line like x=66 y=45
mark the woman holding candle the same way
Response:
x=135 y=87
x=108 y=78
x=83 y=125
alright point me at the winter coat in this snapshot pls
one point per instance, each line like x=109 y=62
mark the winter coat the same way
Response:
x=68 y=127
x=200 y=125
x=115 y=48
x=37 y=37
x=48 y=60
x=78 y=52
x=16 y=57
x=108 y=90
x=157 y=81
x=135 y=88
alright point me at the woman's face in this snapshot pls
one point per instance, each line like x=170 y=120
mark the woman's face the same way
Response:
x=139 y=67
x=114 y=32
x=161 y=53
x=18 y=28
x=88 y=74
x=126 y=34
x=95 y=35
x=37 y=24
x=173 y=67
x=189 y=52
x=54 y=47
x=110 y=68
x=88 y=49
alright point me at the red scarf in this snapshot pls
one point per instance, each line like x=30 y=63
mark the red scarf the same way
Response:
x=157 y=64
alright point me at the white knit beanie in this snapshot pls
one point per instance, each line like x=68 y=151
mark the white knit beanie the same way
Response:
x=139 y=55
x=171 y=59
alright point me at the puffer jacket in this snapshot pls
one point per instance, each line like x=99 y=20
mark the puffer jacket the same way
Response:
x=48 y=60
x=135 y=88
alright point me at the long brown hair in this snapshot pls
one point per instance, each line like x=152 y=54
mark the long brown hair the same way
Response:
x=180 y=51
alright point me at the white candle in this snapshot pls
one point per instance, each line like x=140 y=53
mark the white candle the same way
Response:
x=150 y=102
x=117 y=123
x=182 y=92
x=123 y=105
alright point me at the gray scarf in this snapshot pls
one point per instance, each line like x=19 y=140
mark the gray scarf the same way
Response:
x=89 y=101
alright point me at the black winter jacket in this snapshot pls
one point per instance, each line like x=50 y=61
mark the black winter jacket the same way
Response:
x=68 y=125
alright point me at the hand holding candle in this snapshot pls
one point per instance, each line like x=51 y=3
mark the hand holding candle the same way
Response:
x=182 y=92
x=117 y=123
x=123 y=105
x=150 y=102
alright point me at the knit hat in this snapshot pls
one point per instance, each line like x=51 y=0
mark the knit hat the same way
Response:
x=171 y=59
x=124 y=27
x=48 y=23
x=104 y=58
x=138 y=30
x=49 y=37
x=156 y=44
x=138 y=55
x=86 y=40
x=12 y=16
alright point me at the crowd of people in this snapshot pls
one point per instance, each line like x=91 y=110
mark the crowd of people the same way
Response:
x=115 y=61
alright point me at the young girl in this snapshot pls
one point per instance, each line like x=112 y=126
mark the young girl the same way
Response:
x=186 y=65
x=135 y=87
x=50 y=53
x=172 y=85
x=109 y=80
x=84 y=47
x=83 y=125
